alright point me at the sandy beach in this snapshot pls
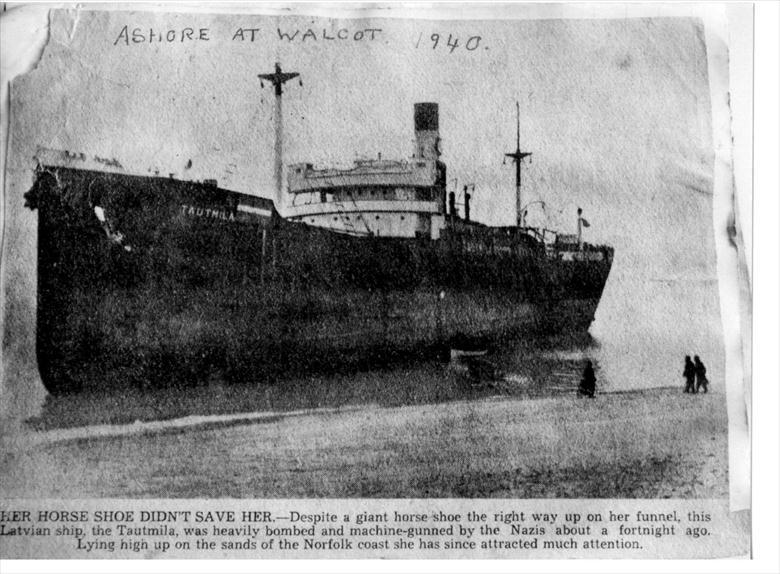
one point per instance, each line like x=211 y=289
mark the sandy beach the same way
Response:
x=655 y=443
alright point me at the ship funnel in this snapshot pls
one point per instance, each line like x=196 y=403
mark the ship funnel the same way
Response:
x=426 y=130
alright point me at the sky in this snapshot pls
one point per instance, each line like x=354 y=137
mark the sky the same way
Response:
x=616 y=114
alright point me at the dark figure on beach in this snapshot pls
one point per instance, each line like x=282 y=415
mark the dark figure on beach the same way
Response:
x=690 y=375
x=701 y=375
x=588 y=382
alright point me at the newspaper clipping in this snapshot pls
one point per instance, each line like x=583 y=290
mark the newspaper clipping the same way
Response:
x=372 y=282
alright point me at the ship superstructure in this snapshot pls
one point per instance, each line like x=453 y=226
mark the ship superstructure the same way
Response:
x=384 y=198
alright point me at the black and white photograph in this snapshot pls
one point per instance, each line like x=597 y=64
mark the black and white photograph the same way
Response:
x=373 y=256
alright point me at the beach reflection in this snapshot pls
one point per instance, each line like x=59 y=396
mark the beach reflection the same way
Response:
x=541 y=368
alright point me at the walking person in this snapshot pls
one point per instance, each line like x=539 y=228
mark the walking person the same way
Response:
x=588 y=382
x=701 y=375
x=689 y=372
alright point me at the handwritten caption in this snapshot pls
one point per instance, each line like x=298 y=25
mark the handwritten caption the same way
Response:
x=436 y=41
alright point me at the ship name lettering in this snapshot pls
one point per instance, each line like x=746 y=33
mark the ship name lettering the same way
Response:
x=477 y=247
x=129 y=36
x=367 y=34
x=207 y=212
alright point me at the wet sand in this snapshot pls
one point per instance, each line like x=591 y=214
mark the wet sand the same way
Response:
x=655 y=443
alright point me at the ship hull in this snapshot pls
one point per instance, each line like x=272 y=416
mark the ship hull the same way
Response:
x=154 y=282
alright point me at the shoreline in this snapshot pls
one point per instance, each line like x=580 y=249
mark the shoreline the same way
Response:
x=31 y=426
x=649 y=443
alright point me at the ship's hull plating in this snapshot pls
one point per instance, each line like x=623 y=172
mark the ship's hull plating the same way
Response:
x=174 y=284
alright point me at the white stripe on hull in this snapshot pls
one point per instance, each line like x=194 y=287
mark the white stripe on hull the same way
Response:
x=255 y=210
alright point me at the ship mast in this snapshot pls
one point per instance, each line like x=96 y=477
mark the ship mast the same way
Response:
x=277 y=79
x=518 y=157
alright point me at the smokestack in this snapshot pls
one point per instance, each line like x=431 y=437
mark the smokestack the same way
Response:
x=453 y=209
x=426 y=130
x=466 y=204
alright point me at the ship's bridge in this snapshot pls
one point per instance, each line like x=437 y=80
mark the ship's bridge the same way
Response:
x=374 y=197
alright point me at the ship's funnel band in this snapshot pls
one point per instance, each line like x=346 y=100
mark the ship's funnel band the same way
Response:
x=426 y=128
x=426 y=117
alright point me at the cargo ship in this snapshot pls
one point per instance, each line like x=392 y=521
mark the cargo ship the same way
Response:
x=149 y=281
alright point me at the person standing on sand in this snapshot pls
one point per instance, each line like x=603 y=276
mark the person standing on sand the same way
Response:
x=690 y=375
x=701 y=375
x=588 y=382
